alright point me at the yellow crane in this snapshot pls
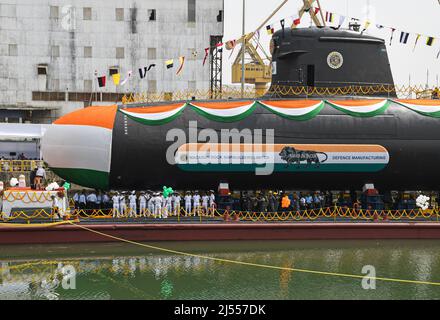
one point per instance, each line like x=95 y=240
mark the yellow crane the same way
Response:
x=256 y=71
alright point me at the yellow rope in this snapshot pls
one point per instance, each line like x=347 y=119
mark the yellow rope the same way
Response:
x=324 y=273
x=34 y=225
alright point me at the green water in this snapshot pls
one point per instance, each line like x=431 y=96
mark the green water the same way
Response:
x=120 y=271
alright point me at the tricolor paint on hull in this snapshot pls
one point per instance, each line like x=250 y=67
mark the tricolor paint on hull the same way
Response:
x=78 y=146
x=393 y=143
x=283 y=157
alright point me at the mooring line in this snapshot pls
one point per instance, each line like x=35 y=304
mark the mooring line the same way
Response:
x=325 y=273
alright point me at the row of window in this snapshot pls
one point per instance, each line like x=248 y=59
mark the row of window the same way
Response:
x=90 y=86
x=120 y=13
x=88 y=52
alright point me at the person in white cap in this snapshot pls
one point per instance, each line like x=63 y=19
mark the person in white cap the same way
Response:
x=212 y=201
x=151 y=203
x=133 y=208
x=158 y=205
x=116 y=207
x=188 y=200
x=123 y=204
x=205 y=201
x=176 y=203
x=196 y=202
x=143 y=204
x=168 y=206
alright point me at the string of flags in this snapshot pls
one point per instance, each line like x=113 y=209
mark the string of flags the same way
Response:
x=331 y=19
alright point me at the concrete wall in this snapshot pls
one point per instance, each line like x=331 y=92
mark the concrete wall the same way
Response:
x=56 y=32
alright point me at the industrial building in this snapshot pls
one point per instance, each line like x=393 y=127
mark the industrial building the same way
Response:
x=52 y=51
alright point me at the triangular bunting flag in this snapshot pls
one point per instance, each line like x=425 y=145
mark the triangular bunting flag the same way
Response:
x=430 y=41
x=392 y=35
x=129 y=74
x=404 y=37
x=182 y=63
x=270 y=30
x=417 y=40
x=116 y=78
x=169 y=63
x=101 y=81
x=206 y=55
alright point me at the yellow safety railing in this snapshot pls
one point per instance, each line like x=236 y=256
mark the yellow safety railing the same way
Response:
x=332 y=213
x=280 y=91
x=19 y=165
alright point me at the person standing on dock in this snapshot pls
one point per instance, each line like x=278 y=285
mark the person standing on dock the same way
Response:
x=205 y=202
x=132 y=201
x=40 y=176
x=212 y=201
x=82 y=200
x=196 y=202
x=91 y=201
x=123 y=204
x=143 y=205
x=157 y=205
x=176 y=203
x=76 y=200
x=116 y=207
x=168 y=206
x=150 y=203
x=188 y=200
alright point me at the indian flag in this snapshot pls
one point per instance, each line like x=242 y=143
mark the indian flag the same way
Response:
x=361 y=108
x=429 y=108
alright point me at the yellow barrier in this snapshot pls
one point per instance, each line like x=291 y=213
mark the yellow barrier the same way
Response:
x=279 y=91
x=286 y=216
x=19 y=165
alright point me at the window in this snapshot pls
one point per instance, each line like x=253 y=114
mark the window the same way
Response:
x=13 y=50
x=54 y=12
x=88 y=85
x=119 y=14
x=87 y=13
x=113 y=70
x=152 y=15
x=152 y=54
x=191 y=10
x=55 y=52
x=152 y=86
x=120 y=53
x=220 y=16
x=87 y=52
x=42 y=69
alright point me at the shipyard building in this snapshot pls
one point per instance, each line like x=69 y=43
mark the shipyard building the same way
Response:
x=53 y=51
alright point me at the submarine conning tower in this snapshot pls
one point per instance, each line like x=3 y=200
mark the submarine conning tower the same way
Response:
x=318 y=58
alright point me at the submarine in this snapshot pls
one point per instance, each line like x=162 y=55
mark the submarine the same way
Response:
x=304 y=141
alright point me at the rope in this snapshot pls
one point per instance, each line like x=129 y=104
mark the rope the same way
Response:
x=280 y=91
x=265 y=266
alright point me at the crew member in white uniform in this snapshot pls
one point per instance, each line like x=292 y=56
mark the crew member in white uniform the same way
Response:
x=196 y=202
x=133 y=208
x=212 y=201
x=176 y=204
x=116 y=207
x=123 y=204
x=168 y=206
x=151 y=204
x=158 y=205
x=143 y=205
x=205 y=201
x=188 y=200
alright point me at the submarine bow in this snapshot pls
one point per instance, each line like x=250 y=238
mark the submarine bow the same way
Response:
x=78 y=146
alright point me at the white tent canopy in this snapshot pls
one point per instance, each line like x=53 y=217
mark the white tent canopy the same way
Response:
x=15 y=131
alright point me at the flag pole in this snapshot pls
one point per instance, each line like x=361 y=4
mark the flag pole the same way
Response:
x=243 y=50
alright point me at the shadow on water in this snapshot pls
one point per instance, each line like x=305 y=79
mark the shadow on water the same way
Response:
x=122 y=271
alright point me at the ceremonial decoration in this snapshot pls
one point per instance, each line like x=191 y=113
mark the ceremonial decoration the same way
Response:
x=422 y=202
x=167 y=192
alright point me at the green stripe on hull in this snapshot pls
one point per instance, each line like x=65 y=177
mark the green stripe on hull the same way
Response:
x=84 y=177
x=343 y=168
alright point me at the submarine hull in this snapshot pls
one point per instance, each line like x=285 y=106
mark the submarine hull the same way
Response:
x=398 y=149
